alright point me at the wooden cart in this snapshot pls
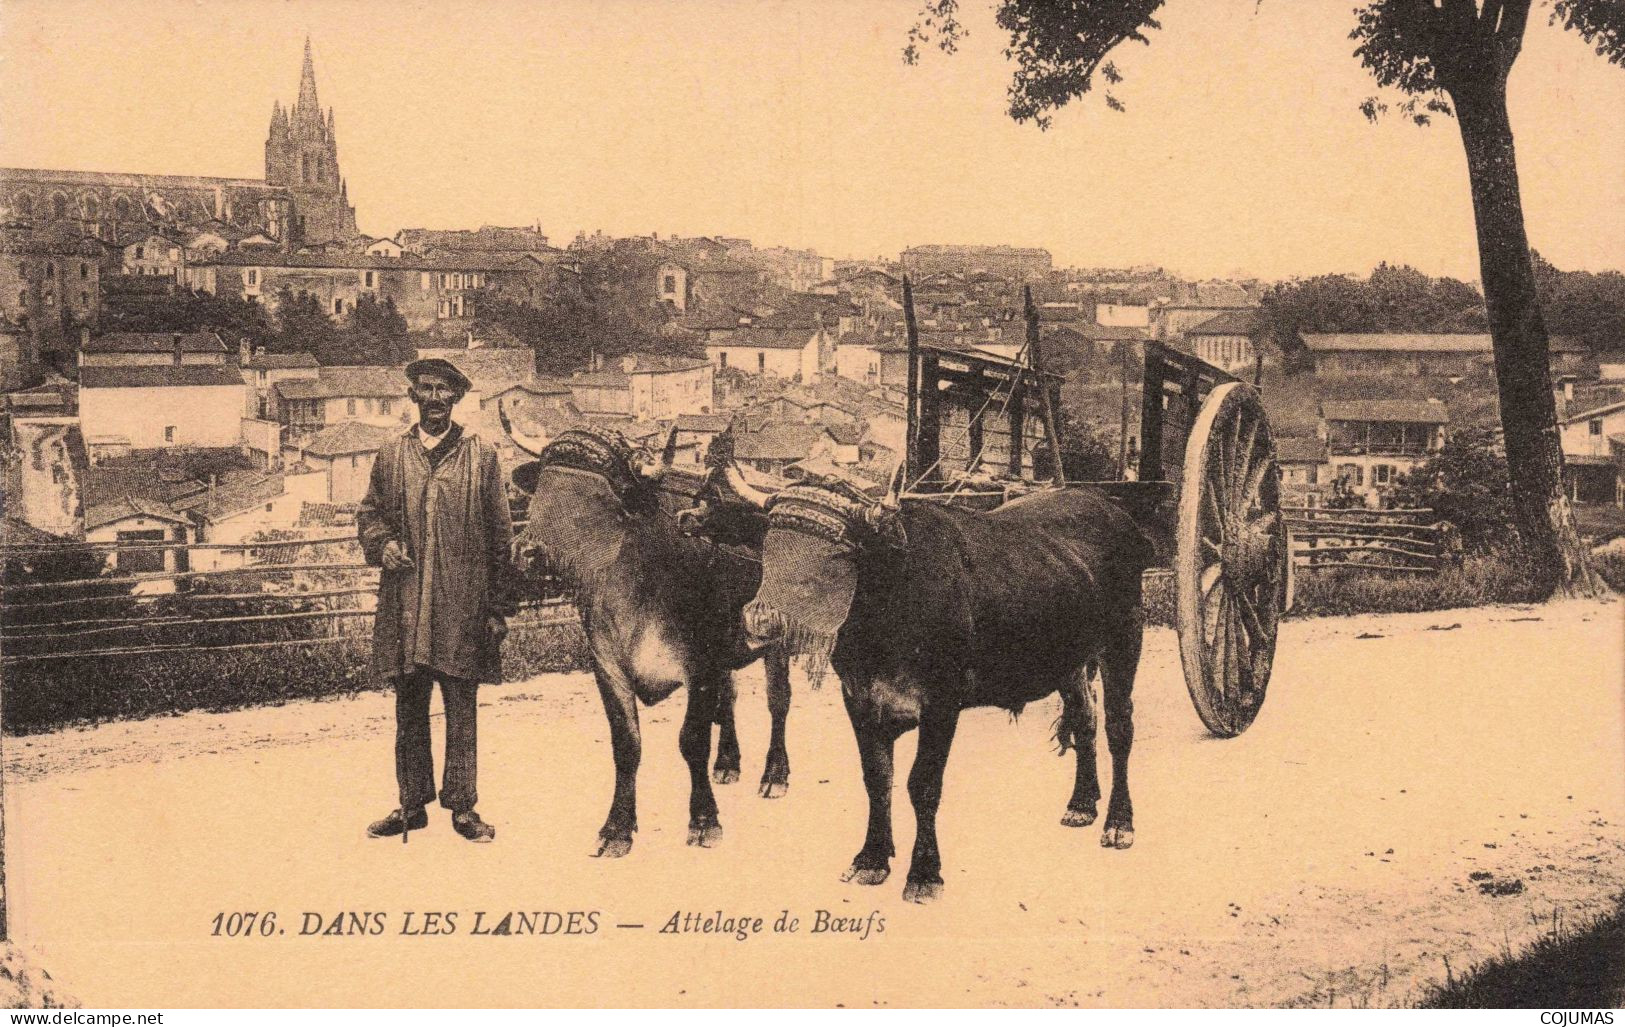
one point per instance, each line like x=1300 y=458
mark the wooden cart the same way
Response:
x=1208 y=491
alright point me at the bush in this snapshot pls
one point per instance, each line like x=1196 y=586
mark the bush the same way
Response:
x=1610 y=566
x=1466 y=484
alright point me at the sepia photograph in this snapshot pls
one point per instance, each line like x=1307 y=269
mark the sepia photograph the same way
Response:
x=812 y=504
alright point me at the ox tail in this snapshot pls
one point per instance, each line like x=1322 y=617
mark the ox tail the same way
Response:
x=1070 y=724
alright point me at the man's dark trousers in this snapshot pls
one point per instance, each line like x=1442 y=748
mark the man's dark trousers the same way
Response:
x=414 y=762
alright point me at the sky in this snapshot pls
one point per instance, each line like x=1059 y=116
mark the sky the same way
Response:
x=1242 y=150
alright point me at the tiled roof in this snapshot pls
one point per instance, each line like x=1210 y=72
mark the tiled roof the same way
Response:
x=1302 y=450
x=327 y=261
x=348 y=437
x=279 y=361
x=129 y=506
x=1419 y=342
x=215 y=504
x=339 y=382
x=779 y=441
x=327 y=515
x=767 y=338
x=155 y=342
x=1408 y=411
x=1231 y=322
x=158 y=376
x=703 y=422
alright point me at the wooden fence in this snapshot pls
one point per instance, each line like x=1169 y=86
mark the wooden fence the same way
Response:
x=285 y=592
x=1381 y=541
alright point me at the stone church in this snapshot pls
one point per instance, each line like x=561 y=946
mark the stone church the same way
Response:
x=302 y=201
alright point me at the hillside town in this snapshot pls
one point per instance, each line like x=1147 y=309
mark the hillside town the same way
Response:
x=195 y=359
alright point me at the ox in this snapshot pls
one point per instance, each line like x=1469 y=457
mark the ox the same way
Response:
x=660 y=609
x=926 y=610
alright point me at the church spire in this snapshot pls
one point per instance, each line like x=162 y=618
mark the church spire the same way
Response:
x=307 y=105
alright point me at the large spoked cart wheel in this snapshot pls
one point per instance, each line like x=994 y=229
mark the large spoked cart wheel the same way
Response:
x=1232 y=559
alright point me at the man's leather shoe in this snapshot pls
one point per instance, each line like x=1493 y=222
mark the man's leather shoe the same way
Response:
x=395 y=824
x=470 y=826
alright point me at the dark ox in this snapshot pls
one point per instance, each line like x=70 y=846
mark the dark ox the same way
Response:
x=661 y=610
x=927 y=610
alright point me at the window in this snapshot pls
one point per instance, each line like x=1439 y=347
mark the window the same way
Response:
x=84 y=298
x=50 y=299
x=670 y=286
x=1382 y=474
x=50 y=270
x=424 y=279
x=338 y=305
x=1351 y=474
x=169 y=433
x=121 y=208
x=253 y=276
x=349 y=407
x=445 y=280
x=369 y=279
x=761 y=363
x=84 y=270
x=384 y=406
x=1594 y=426
x=93 y=209
x=59 y=206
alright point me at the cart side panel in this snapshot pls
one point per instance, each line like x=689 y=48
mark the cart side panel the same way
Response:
x=1175 y=385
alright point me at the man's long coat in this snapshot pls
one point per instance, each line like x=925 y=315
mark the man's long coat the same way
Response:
x=453 y=521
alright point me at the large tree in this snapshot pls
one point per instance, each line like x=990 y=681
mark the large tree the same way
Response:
x=1444 y=57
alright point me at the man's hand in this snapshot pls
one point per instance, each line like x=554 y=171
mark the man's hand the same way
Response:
x=498 y=628
x=394 y=557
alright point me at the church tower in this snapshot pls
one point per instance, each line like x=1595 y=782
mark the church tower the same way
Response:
x=301 y=155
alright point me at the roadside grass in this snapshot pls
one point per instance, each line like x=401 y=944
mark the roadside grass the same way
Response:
x=1570 y=967
x=1479 y=581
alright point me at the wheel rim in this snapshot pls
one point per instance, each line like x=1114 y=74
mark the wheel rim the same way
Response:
x=1231 y=559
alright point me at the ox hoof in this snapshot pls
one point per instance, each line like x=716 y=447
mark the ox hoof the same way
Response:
x=1117 y=836
x=704 y=835
x=725 y=775
x=773 y=789
x=1078 y=818
x=922 y=891
x=866 y=875
x=613 y=848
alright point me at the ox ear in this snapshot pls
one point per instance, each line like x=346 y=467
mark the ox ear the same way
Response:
x=524 y=476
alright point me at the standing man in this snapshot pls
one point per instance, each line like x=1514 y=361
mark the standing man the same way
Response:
x=435 y=518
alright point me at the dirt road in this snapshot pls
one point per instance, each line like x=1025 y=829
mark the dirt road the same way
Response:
x=1337 y=852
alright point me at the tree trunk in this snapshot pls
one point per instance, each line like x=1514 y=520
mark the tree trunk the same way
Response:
x=1534 y=451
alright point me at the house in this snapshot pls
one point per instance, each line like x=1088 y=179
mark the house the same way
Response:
x=1419 y=354
x=774 y=447
x=433 y=293
x=155 y=406
x=1611 y=366
x=645 y=387
x=42 y=483
x=796 y=353
x=151 y=254
x=232 y=513
x=537 y=395
x=1172 y=320
x=344 y=452
x=143 y=525
x=263 y=371
x=1303 y=469
x=1593 y=475
x=1228 y=341
x=375 y=395
x=671 y=284
x=697 y=431
x=857 y=358
x=1371 y=443
x=151 y=349
x=383 y=248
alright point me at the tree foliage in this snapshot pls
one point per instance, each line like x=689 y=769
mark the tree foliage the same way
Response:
x=1589 y=306
x=233 y=317
x=1392 y=299
x=1465 y=483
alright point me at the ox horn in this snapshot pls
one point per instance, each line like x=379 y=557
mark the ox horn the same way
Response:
x=745 y=490
x=520 y=439
x=894 y=488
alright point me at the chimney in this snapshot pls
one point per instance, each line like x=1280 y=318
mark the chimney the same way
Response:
x=84 y=336
x=176 y=340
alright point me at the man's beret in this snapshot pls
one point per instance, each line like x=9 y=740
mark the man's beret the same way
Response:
x=437 y=365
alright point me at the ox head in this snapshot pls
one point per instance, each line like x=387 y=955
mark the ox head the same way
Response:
x=818 y=534
x=586 y=486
